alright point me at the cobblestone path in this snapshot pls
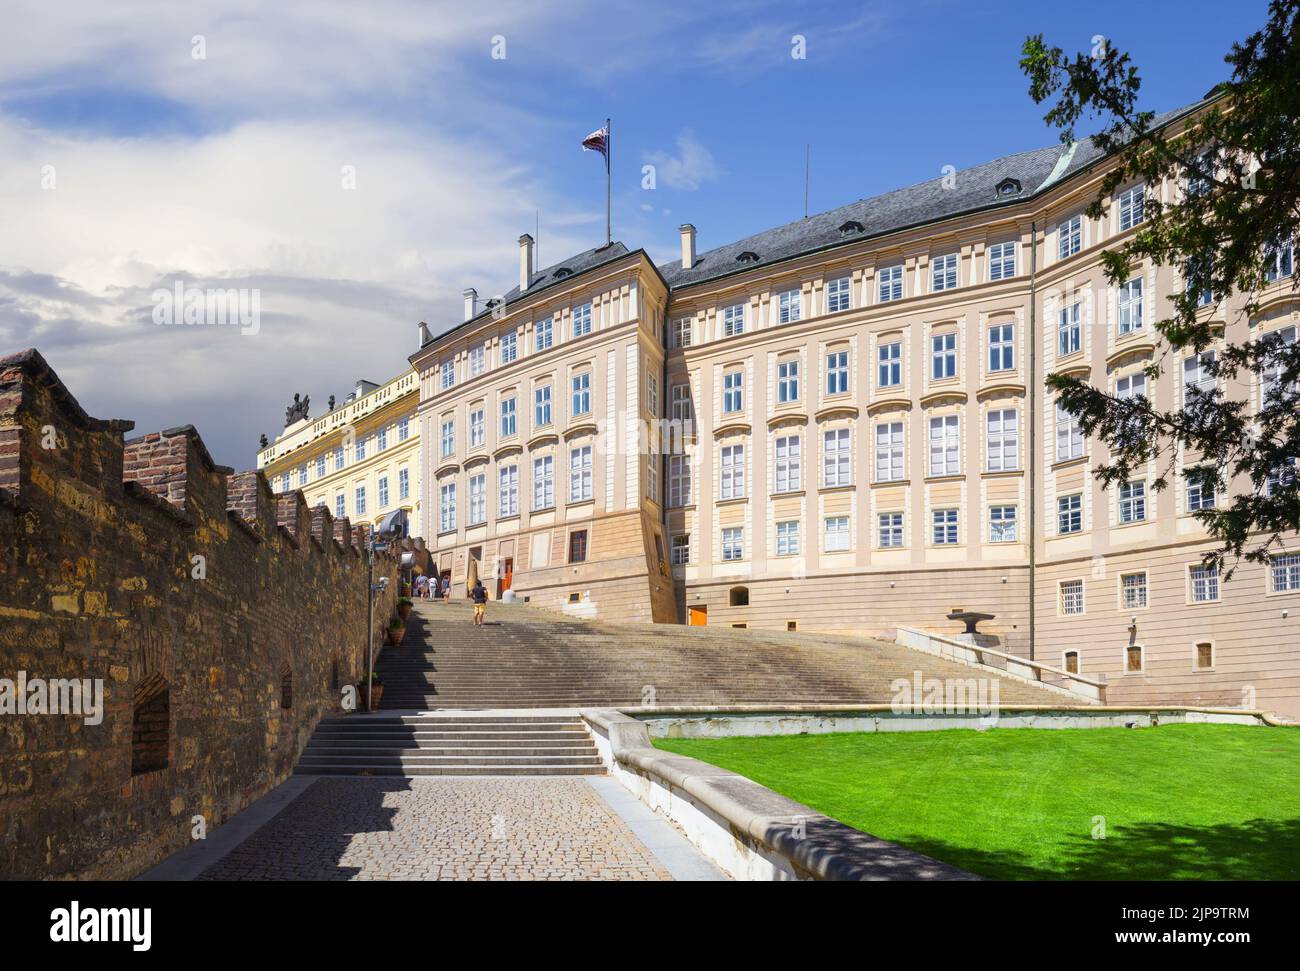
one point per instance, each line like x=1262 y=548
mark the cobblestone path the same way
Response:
x=443 y=828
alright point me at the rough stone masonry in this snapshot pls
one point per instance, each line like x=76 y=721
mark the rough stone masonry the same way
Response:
x=222 y=620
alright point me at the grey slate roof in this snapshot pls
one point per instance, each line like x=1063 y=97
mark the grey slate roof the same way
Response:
x=974 y=189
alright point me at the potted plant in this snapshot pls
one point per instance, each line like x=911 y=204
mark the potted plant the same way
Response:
x=378 y=691
x=396 y=631
x=404 y=607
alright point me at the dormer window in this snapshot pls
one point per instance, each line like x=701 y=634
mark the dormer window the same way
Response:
x=562 y=272
x=749 y=256
x=1009 y=187
x=851 y=228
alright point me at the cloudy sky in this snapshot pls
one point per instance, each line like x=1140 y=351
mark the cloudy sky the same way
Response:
x=360 y=164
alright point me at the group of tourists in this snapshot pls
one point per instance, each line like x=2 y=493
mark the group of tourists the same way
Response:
x=438 y=587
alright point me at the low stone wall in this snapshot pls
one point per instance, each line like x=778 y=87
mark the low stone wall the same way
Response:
x=749 y=831
x=221 y=621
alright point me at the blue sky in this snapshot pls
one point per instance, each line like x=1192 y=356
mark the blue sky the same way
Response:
x=225 y=169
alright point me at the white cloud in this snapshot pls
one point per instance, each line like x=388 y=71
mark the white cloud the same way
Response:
x=691 y=167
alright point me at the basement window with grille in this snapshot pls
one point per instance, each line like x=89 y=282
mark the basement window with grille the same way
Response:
x=150 y=726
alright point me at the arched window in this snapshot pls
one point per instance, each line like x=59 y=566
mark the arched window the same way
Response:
x=150 y=726
x=740 y=596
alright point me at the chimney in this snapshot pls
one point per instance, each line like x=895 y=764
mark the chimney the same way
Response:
x=688 y=245
x=471 y=302
x=425 y=336
x=525 y=261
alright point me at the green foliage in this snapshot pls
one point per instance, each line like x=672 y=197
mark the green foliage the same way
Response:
x=1237 y=162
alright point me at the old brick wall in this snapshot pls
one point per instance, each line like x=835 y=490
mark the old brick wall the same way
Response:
x=197 y=596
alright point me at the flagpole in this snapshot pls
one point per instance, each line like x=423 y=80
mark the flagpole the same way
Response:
x=609 y=148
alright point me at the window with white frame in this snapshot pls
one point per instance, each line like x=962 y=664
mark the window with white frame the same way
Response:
x=837 y=464
x=789 y=307
x=837 y=294
x=789 y=464
x=1069 y=331
x=1069 y=514
x=476 y=428
x=890 y=370
x=1071 y=597
x=787 y=382
x=508 y=490
x=509 y=347
x=889 y=451
x=477 y=361
x=381 y=440
x=403 y=429
x=477 y=499
x=338 y=458
x=787 y=538
x=1003 y=436
x=403 y=485
x=1204 y=582
x=944 y=526
x=448 y=437
x=1131 y=207
x=382 y=491
x=1131 y=386
x=836 y=534
x=1284 y=572
x=1271 y=375
x=1198 y=496
x=681 y=403
x=733 y=320
x=943 y=272
x=582 y=320
x=943 y=356
x=945 y=445
x=302 y=475
x=891 y=529
x=652 y=394
x=1002 y=349
x=1197 y=376
x=732 y=479
x=509 y=423
x=889 y=283
x=580 y=481
x=652 y=475
x=448 y=374
x=580 y=402
x=447 y=507
x=1280 y=260
x=733 y=543
x=1133 y=590
x=733 y=392
x=679 y=549
x=683 y=331
x=1002 y=524
x=1069 y=435
x=1002 y=261
x=543 y=333
x=1069 y=237
x=1132 y=502
x=837 y=372
x=679 y=480
x=542 y=406
x=1282 y=476
x=320 y=466
x=1130 y=306
x=360 y=449
x=340 y=502
x=544 y=482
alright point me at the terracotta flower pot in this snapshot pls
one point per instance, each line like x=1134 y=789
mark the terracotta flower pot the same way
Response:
x=377 y=694
x=403 y=611
x=395 y=635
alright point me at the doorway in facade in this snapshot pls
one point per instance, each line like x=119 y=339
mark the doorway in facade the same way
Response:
x=699 y=616
x=507 y=573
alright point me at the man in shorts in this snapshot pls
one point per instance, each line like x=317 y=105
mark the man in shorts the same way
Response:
x=479 y=593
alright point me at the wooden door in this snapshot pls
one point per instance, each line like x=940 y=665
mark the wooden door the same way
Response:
x=699 y=616
x=507 y=573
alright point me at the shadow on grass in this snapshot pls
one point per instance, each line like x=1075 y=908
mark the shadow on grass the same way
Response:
x=1260 y=849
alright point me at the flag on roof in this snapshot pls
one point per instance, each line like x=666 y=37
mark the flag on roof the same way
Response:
x=597 y=141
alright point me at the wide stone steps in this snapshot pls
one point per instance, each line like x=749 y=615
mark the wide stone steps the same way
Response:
x=454 y=744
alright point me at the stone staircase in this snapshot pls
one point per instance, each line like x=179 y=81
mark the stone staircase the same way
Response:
x=505 y=743
x=525 y=657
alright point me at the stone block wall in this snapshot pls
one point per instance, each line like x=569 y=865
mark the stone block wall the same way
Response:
x=222 y=620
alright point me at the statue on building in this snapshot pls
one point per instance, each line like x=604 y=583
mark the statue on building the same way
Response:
x=262 y=440
x=297 y=410
x=331 y=402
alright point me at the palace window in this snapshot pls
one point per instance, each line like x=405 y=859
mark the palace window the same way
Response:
x=889 y=451
x=1132 y=502
x=943 y=272
x=543 y=482
x=733 y=544
x=889 y=284
x=837 y=465
x=448 y=437
x=509 y=347
x=891 y=529
x=1131 y=386
x=789 y=464
x=733 y=392
x=679 y=549
x=1002 y=261
x=733 y=472
x=508 y=490
x=1133 y=590
x=1280 y=258
x=508 y=417
x=320 y=466
x=1130 y=306
x=944 y=523
x=338 y=458
x=1071 y=597
x=945 y=445
x=542 y=406
x=1069 y=332
x=679 y=480
x=477 y=361
x=837 y=372
x=733 y=320
x=1205 y=583
x=789 y=307
x=476 y=428
x=1284 y=571
x=1069 y=435
x=340 y=503
x=890 y=372
x=578 y=546
x=1069 y=237
x=580 y=481
x=477 y=499
x=1002 y=352
x=1131 y=207
x=582 y=320
x=1069 y=514
x=787 y=382
x=1002 y=524
x=447 y=508
x=787 y=538
x=1003 y=440
x=361 y=500
x=448 y=374
x=943 y=356
x=403 y=484
x=581 y=394
x=837 y=295
x=682 y=332
x=383 y=492
x=543 y=333
x=837 y=534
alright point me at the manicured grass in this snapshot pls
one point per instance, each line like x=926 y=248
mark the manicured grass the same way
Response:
x=1198 y=802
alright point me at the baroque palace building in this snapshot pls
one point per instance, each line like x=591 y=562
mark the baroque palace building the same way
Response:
x=841 y=425
x=360 y=459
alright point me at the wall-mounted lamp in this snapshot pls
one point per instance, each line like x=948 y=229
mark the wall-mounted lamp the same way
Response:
x=1004 y=579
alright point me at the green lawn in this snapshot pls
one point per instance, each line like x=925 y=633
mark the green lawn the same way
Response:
x=1201 y=802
